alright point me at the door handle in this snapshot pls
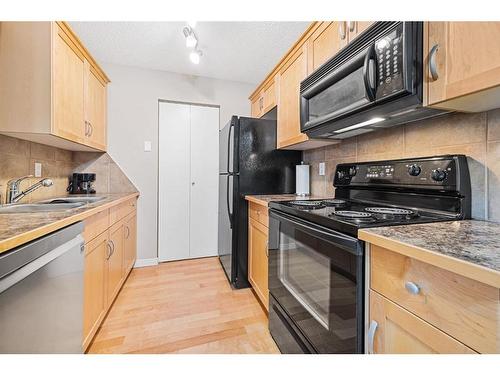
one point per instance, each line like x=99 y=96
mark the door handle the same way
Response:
x=86 y=128
x=91 y=129
x=370 y=55
x=351 y=25
x=371 y=335
x=433 y=63
x=127 y=233
x=108 y=245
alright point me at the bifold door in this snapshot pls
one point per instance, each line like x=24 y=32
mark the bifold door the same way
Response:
x=188 y=181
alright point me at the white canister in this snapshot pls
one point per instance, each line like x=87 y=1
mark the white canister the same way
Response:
x=302 y=179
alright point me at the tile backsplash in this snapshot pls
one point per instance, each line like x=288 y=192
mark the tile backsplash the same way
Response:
x=476 y=135
x=18 y=157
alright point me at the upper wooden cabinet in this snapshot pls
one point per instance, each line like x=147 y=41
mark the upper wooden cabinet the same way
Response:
x=289 y=78
x=264 y=100
x=53 y=92
x=463 y=65
x=324 y=42
x=354 y=28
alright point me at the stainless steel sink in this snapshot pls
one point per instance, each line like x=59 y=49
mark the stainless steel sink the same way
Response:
x=38 y=207
x=63 y=200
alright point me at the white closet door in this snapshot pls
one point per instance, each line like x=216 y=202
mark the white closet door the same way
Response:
x=204 y=181
x=174 y=181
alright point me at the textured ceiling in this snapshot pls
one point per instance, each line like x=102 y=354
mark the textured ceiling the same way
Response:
x=237 y=51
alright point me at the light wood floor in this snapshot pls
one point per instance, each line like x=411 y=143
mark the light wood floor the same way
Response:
x=183 y=307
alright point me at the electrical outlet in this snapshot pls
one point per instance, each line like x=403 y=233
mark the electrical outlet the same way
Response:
x=38 y=169
x=147 y=146
x=322 y=169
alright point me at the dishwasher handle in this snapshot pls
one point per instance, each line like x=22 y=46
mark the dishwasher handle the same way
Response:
x=13 y=278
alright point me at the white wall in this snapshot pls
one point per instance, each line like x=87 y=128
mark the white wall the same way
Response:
x=133 y=118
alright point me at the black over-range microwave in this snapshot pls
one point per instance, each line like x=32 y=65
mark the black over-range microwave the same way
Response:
x=375 y=82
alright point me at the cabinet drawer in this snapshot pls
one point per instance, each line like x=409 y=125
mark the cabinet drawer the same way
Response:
x=258 y=213
x=120 y=211
x=463 y=308
x=95 y=225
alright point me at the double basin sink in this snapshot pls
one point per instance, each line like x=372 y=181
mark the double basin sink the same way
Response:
x=49 y=205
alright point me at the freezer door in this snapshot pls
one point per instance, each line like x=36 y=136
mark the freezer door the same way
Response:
x=225 y=234
x=226 y=146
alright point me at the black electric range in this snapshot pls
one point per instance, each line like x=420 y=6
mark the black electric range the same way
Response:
x=316 y=261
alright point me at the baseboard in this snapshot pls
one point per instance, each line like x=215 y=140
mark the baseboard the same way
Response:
x=146 y=262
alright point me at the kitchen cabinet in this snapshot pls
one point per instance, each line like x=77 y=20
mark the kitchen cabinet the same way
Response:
x=110 y=253
x=462 y=65
x=323 y=44
x=115 y=261
x=265 y=100
x=53 y=92
x=289 y=78
x=354 y=28
x=397 y=331
x=94 y=306
x=130 y=243
x=258 y=228
x=417 y=307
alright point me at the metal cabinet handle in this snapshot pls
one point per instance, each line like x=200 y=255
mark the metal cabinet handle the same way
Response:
x=342 y=30
x=108 y=251
x=86 y=128
x=261 y=103
x=351 y=25
x=412 y=288
x=371 y=335
x=267 y=249
x=433 y=63
x=91 y=129
x=128 y=233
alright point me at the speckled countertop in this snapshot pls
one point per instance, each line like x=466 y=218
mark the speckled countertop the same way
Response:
x=468 y=243
x=265 y=199
x=16 y=229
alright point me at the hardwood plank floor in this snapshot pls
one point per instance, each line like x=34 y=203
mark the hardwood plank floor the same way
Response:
x=183 y=307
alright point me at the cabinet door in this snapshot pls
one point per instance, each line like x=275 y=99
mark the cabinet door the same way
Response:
x=323 y=44
x=68 y=78
x=256 y=106
x=400 y=332
x=290 y=76
x=258 y=260
x=130 y=243
x=115 y=261
x=467 y=58
x=269 y=96
x=94 y=304
x=95 y=110
x=357 y=27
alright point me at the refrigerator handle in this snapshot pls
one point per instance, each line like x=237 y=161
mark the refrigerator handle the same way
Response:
x=229 y=213
x=229 y=149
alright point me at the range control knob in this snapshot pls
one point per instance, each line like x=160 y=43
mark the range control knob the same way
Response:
x=438 y=175
x=414 y=170
x=352 y=171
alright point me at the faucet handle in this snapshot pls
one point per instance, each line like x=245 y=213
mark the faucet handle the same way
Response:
x=16 y=181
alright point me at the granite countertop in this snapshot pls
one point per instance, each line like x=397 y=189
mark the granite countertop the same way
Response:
x=467 y=243
x=265 y=199
x=17 y=229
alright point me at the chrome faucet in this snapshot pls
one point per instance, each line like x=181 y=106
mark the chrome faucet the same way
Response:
x=13 y=194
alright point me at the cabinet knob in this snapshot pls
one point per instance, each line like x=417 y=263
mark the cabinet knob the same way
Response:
x=412 y=288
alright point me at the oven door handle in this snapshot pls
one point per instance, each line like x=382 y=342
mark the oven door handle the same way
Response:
x=369 y=84
x=345 y=242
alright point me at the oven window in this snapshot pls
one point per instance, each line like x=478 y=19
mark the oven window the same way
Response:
x=341 y=96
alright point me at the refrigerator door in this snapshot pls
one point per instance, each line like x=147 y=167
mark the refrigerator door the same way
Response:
x=262 y=168
x=225 y=242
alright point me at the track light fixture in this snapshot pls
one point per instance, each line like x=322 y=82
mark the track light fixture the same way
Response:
x=192 y=42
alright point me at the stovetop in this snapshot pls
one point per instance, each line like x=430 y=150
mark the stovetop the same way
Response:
x=348 y=216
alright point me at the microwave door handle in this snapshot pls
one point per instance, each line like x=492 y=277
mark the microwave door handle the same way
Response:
x=369 y=56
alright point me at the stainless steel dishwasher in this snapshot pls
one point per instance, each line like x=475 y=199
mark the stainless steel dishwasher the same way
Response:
x=41 y=294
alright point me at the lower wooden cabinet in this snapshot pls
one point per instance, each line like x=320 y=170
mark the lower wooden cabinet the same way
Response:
x=395 y=330
x=110 y=254
x=258 y=260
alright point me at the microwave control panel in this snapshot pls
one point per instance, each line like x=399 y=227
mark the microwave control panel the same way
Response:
x=389 y=52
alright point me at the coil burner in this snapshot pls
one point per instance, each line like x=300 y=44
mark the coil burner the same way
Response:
x=333 y=202
x=389 y=211
x=307 y=205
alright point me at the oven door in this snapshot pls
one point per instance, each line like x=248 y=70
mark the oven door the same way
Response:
x=316 y=277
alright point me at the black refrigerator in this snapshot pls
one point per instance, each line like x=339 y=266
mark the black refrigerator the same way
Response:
x=249 y=163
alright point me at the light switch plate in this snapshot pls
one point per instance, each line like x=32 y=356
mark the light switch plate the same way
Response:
x=147 y=146
x=38 y=169
x=322 y=169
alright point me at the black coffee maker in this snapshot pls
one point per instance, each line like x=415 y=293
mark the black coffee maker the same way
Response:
x=81 y=183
